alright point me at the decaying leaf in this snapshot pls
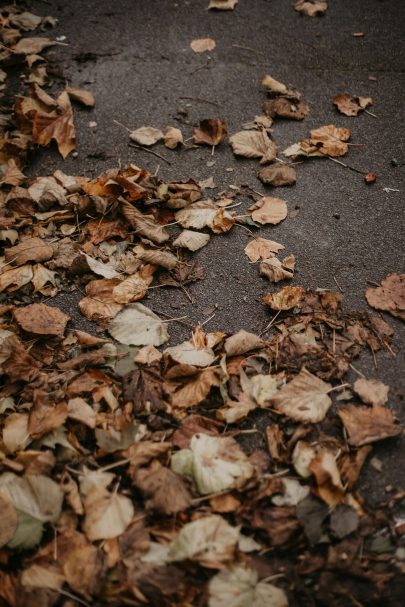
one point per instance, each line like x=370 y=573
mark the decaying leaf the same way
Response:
x=242 y=342
x=16 y=278
x=278 y=174
x=371 y=391
x=8 y=521
x=351 y=105
x=214 y=463
x=146 y=135
x=324 y=141
x=172 y=137
x=41 y=320
x=390 y=296
x=285 y=299
x=201 y=45
x=31 y=249
x=268 y=210
x=82 y=96
x=136 y=325
x=205 y=214
x=273 y=85
x=286 y=107
x=223 y=5
x=107 y=514
x=188 y=239
x=211 y=131
x=305 y=398
x=240 y=587
x=365 y=426
x=254 y=144
x=311 y=8
x=262 y=248
x=163 y=489
x=275 y=270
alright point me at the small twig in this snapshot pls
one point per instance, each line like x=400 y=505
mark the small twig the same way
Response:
x=270 y=324
x=371 y=282
x=356 y=370
x=337 y=388
x=248 y=48
x=201 y=67
x=187 y=324
x=347 y=166
x=73 y=597
x=338 y=285
x=239 y=225
x=208 y=319
x=175 y=319
x=140 y=147
x=371 y=114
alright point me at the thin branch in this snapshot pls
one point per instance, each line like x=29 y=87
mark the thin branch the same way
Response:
x=347 y=166
x=140 y=147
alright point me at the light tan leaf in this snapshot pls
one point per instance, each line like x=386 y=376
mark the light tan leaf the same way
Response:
x=254 y=144
x=276 y=270
x=242 y=342
x=25 y=21
x=305 y=398
x=324 y=141
x=272 y=85
x=107 y=515
x=157 y=257
x=15 y=432
x=136 y=325
x=31 y=249
x=131 y=289
x=82 y=96
x=201 y=45
x=41 y=319
x=172 y=137
x=106 y=270
x=365 y=426
x=222 y=5
x=240 y=587
x=188 y=239
x=205 y=214
x=261 y=248
x=285 y=299
x=33 y=494
x=371 y=391
x=278 y=174
x=302 y=457
x=268 y=210
x=16 y=278
x=99 y=302
x=209 y=538
x=42 y=277
x=81 y=411
x=145 y=225
x=311 y=9
x=189 y=353
x=330 y=488
x=389 y=297
x=146 y=135
x=37 y=576
x=32 y=46
x=147 y=356
x=10 y=173
x=8 y=520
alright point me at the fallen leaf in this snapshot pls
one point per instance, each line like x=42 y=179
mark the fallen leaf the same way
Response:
x=201 y=45
x=365 y=426
x=41 y=320
x=146 y=135
x=107 y=515
x=209 y=538
x=39 y=577
x=210 y=132
x=293 y=493
x=285 y=299
x=190 y=353
x=79 y=410
x=16 y=278
x=275 y=270
x=31 y=249
x=278 y=174
x=82 y=96
x=324 y=141
x=32 y=46
x=343 y=521
x=25 y=21
x=147 y=356
x=240 y=587
x=284 y=107
x=311 y=9
x=242 y=342
x=83 y=570
x=15 y=432
x=390 y=296
x=305 y=398
x=164 y=259
x=194 y=391
x=214 y=463
x=371 y=391
x=254 y=144
x=370 y=178
x=163 y=489
x=223 y=5
x=44 y=280
x=351 y=105
x=99 y=303
x=302 y=457
x=329 y=484
x=273 y=85
x=262 y=248
x=131 y=289
x=172 y=137
x=268 y=210
x=145 y=225
x=136 y=325
x=191 y=240
x=205 y=214
x=8 y=521
x=56 y=124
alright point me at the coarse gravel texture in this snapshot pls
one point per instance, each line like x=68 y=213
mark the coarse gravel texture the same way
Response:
x=135 y=57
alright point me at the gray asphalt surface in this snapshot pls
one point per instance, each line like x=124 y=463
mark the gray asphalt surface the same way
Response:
x=135 y=57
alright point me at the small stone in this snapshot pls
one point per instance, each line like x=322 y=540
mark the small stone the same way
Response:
x=394 y=162
x=336 y=215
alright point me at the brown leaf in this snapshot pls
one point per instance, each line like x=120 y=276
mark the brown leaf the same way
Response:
x=16 y=278
x=285 y=299
x=282 y=107
x=371 y=391
x=194 y=391
x=305 y=398
x=268 y=210
x=193 y=424
x=8 y=520
x=365 y=426
x=351 y=105
x=370 y=178
x=11 y=174
x=57 y=125
x=32 y=46
x=31 y=249
x=254 y=144
x=200 y=45
x=44 y=418
x=163 y=489
x=145 y=225
x=80 y=95
x=172 y=137
x=107 y=514
x=99 y=303
x=390 y=296
x=210 y=132
x=276 y=270
x=223 y=5
x=41 y=320
x=84 y=569
x=278 y=174
x=261 y=248
x=242 y=342
x=311 y=8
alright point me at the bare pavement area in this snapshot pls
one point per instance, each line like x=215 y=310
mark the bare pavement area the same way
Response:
x=202 y=303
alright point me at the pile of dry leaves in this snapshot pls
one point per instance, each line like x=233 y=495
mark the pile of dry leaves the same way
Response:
x=127 y=473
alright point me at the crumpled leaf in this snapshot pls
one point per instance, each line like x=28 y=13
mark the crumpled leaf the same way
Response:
x=305 y=398
x=15 y=432
x=293 y=494
x=44 y=280
x=285 y=299
x=215 y=463
x=242 y=342
x=205 y=214
x=201 y=45
x=371 y=391
x=223 y=5
x=16 y=278
x=31 y=249
x=84 y=97
x=107 y=515
x=324 y=141
x=240 y=587
x=191 y=353
x=163 y=489
x=145 y=225
x=32 y=46
x=172 y=137
x=276 y=270
x=188 y=239
x=41 y=319
x=207 y=539
x=136 y=325
x=268 y=210
x=311 y=8
x=262 y=248
x=365 y=426
x=254 y=144
x=146 y=135
x=210 y=132
x=285 y=107
x=131 y=289
x=351 y=105
x=273 y=85
x=390 y=296
x=165 y=259
x=329 y=484
x=278 y=174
